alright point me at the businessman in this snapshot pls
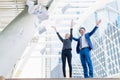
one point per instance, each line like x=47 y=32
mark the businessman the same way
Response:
x=84 y=46
x=66 y=50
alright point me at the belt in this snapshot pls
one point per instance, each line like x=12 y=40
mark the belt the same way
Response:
x=84 y=48
x=67 y=49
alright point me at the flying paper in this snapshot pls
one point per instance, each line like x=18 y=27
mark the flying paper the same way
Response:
x=42 y=51
x=37 y=10
x=42 y=30
x=66 y=7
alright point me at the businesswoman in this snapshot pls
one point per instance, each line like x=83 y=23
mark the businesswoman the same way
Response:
x=66 y=50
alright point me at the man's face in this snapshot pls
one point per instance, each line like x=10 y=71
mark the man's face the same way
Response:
x=82 y=31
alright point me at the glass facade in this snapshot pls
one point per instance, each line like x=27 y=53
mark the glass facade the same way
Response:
x=105 y=56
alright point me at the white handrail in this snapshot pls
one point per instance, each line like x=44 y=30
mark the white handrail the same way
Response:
x=110 y=8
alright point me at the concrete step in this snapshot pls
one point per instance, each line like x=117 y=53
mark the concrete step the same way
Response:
x=63 y=79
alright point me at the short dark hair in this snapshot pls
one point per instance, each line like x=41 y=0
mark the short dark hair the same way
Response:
x=82 y=28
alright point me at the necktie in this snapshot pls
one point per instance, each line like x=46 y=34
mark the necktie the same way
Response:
x=81 y=42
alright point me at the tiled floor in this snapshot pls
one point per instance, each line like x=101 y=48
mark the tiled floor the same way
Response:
x=64 y=79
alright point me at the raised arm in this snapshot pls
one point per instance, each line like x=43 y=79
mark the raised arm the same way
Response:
x=58 y=34
x=71 y=30
x=95 y=28
x=76 y=39
x=60 y=37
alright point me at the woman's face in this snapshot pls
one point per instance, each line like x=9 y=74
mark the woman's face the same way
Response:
x=67 y=36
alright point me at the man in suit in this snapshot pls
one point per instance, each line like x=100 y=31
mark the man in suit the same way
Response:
x=84 y=46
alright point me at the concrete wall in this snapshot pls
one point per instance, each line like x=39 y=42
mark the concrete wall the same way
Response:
x=14 y=39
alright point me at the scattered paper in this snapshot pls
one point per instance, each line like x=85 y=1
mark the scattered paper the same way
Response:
x=42 y=51
x=42 y=30
x=66 y=7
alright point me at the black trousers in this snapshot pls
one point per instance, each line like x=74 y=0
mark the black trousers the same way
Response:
x=66 y=54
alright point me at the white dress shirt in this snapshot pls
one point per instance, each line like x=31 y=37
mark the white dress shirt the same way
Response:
x=83 y=42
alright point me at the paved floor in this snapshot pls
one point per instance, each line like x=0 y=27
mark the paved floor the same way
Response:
x=64 y=79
